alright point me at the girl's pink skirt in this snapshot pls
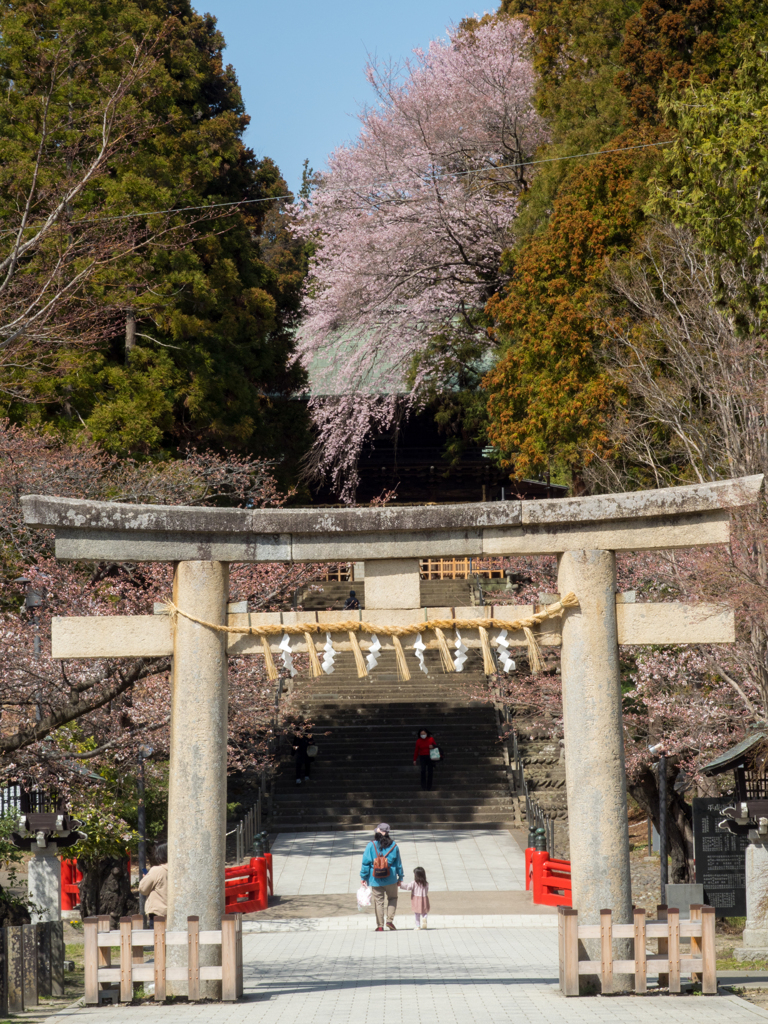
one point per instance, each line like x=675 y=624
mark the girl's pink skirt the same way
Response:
x=420 y=904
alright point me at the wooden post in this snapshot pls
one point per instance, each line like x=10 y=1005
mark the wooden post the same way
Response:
x=561 y=947
x=126 y=965
x=92 y=955
x=571 y=951
x=709 y=966
x=229 y=958
x=695 y=940
x=58 y=951
x=239 y=920
x=104 y=924
x=29 y=964
x=641 y=964
x=663 y=947
x=673 y=930
x=3 y=972
x=193 y=961
x=15 y=970
x=606 y=952
x=44 y=958
x=137 y=952
x=159 y=925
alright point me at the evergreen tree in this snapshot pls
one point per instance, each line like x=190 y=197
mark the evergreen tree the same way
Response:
x=194 y=316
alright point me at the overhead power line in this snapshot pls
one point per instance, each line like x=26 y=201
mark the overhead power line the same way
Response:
x=453 y=174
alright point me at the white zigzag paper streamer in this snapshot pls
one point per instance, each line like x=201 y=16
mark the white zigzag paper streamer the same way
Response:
x=461 y=654
x=285 y=647
x=374 y=653
x=503 y=652
x=419 y=647
x=329 y=656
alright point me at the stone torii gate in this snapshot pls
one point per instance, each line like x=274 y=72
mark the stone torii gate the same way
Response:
x=585 y=533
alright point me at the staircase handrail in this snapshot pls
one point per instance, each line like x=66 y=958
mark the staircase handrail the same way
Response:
x=518 y=784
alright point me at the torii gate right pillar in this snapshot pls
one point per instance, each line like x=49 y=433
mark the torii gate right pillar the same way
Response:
x=594 y=739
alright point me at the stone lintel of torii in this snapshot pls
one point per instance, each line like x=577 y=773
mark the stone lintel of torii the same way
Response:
x=585 y=534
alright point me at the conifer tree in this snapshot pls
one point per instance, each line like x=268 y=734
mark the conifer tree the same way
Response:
x=182 y=328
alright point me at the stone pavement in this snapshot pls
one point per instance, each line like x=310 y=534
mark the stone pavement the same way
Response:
x=487 y=958
x=483 y=976
x=314 y=863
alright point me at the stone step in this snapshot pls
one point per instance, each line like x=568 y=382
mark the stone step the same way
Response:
x=396 y=816
x=308 y=794
x=492 y=825
x=333 y=794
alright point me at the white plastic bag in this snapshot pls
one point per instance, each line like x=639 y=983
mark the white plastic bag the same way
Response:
x=364 y=896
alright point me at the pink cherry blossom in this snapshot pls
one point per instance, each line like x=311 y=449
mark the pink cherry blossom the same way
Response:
x=408 y=227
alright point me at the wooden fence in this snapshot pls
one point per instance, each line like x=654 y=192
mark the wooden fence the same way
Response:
x=246 y=829
x=31 y=965
x=670 y=962
x=461 y=568
x=132 y=969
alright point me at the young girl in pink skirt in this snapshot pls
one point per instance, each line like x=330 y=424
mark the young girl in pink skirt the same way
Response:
x=418 y=888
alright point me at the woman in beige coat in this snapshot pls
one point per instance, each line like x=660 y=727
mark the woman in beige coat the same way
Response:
x=154 y=885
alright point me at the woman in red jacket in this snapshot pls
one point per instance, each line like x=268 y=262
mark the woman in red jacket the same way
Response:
x=424 y=743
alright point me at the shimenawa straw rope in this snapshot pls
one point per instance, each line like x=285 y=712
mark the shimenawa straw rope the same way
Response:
x=306 y=629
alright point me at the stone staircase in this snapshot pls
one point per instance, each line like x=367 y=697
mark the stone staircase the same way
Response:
x=366 y=730
x=544 y=768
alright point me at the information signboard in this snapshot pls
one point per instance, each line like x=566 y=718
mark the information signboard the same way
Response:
x=719 y=858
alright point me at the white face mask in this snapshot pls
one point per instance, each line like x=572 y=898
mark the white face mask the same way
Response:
x=423 y=735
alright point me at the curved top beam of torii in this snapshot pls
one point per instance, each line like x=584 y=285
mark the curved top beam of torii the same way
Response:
x=673 y=517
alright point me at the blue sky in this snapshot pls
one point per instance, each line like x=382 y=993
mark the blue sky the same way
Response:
x=300 y=64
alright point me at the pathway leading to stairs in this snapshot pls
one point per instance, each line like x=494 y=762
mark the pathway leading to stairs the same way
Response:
x=312 y=863
x=463 y=970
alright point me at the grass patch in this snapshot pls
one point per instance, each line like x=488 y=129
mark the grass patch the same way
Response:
x=731 y=925
x=732 y=964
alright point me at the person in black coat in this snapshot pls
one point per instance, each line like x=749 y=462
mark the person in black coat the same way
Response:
x=303 y=760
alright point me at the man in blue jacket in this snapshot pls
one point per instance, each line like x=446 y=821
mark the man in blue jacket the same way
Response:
x=383 y=845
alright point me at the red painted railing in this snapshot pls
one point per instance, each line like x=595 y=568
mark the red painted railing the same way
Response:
x=246 y=887
x=549 y=878
x=70 y=890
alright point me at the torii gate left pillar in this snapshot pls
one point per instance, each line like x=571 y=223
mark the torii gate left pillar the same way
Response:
x=197 y=783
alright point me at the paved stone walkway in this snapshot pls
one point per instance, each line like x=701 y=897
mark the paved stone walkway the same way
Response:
x=315 y=863
x=483 y=976
x=466 y=969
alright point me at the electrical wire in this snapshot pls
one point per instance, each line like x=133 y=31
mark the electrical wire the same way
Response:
x=290 y=195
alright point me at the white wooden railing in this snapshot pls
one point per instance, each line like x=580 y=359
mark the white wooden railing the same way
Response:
x=131 y=970
x=670 y=962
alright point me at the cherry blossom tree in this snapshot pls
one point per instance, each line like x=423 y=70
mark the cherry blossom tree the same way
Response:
x=408 y=227
x=57 y=716
x=696 y=700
